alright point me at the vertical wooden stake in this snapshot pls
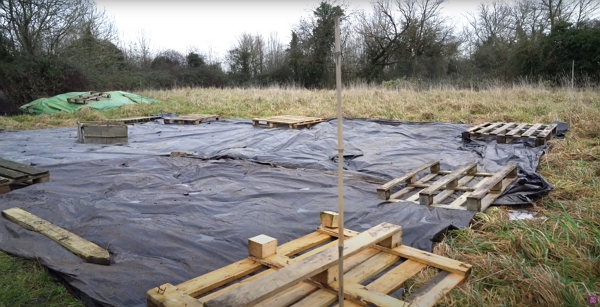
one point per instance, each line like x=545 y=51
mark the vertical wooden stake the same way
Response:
x=338 y=82
x=572 y=98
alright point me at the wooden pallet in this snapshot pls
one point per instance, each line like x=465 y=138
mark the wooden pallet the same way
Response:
x=13 y=172
x=476 y=195
x=88 y=97
x=293 y=122
x=133 y=120
x=303 y=272
x=193 y=119
x=506 y=132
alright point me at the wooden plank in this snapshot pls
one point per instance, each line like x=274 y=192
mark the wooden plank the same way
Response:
x=11 y=174
x=302 y=244
x=395 y=278
x=22 y=168
x=517 y=130
x=287 y=277
x=430 y=259
x=437 y=287
x=446 y=193
x=383 y=192
x=457 y=203
x=502 y=129
x=168 y=295
x=426 y=196
x=488 y=128
x=79 y=246
x=531 y=130
x=509 y=170
x=491 y=197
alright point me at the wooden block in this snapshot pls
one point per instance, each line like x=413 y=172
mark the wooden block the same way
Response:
x=79 y=246
x=329 y=219
x=262 y=246
x=328 y=276
x=270 y=285
x=392 y=241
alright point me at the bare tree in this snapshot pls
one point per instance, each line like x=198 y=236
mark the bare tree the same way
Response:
x=42 y=27
x=274 y=53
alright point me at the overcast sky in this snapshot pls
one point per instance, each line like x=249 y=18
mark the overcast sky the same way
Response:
x=210 y=24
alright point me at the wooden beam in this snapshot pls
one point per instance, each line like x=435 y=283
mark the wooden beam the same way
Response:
x=287 y=277
x=83 y=248
x=493 y=184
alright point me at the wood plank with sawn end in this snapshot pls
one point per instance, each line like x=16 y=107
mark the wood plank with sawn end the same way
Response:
x=426 y=196
x=81 y=247
x=287 y=277
x=467 y=133
x=383 y=192
x=436 y=288
x=22 y=168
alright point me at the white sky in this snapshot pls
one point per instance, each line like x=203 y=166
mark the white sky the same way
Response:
x=215 y=25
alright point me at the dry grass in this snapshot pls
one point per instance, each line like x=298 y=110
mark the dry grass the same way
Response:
x=551 y=262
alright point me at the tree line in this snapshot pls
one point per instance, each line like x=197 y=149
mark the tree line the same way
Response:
x=49 y=47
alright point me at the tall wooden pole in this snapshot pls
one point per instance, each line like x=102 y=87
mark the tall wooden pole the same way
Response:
x=338 y=82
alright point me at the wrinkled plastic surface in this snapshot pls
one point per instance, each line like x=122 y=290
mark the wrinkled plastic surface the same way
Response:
x=167 y=220
x=59 y=103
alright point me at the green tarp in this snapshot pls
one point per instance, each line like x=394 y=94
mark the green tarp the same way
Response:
x=59 y=103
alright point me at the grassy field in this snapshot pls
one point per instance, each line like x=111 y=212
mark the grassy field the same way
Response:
x=547 y=262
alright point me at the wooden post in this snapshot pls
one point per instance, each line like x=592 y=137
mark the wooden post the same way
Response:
x=338 y=82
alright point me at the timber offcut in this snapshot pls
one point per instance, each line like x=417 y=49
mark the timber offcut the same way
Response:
x=291 y=121
x=13 y=173
x=303 y=272
x=428 y=185
x=506 y=132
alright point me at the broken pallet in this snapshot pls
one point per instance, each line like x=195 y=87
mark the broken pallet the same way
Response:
x=293 y=122
x=193 y=119
x=303 y=272
x=506 y=132
x=438 y=185
x=13 y=172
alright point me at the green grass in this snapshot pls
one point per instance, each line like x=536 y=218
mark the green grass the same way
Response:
x=549 y=262
x=27 y=283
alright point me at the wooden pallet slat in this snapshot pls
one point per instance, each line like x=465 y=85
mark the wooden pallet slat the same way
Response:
x=494 y=185
x=293 y=282
x=14 y=173
x=485 y=130
x=517 y=129
x=531 y=130
x=83 y=248
x=502 y=129
x=11 y=174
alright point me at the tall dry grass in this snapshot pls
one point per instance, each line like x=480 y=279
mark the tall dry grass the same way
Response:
x=549 y=262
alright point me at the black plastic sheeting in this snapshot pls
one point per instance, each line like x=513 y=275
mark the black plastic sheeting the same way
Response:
x=167 y=220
